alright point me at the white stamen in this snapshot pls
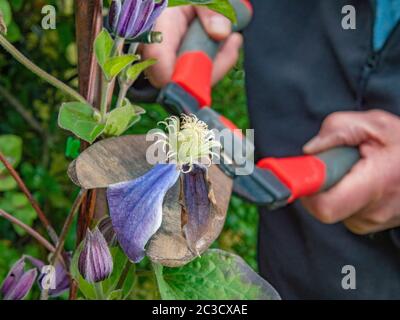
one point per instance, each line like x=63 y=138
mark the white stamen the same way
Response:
x=189 y=142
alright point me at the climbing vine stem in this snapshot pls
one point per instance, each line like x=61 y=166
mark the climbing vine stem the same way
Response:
x=38 y=71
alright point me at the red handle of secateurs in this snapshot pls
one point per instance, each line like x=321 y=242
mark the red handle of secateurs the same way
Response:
x=193 y=70
x=307 y=175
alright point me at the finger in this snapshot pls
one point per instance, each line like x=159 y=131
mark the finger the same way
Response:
x=165 y=52
x=227 y=56
x=376 y=217
x=216 y=25
x=343 y=128
x=357 y=190
x=360 y=226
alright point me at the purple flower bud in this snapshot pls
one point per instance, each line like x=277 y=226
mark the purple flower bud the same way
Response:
x=134 y=17
x=18 y=283
x=95 y=262
x=62 y=279
x=136 y=208
x=107 y=229
x=115 y=10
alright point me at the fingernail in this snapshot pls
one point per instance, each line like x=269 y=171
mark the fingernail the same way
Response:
x=311 y=145
x=220 y=25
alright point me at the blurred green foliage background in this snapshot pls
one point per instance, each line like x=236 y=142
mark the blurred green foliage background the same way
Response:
x=28 y=109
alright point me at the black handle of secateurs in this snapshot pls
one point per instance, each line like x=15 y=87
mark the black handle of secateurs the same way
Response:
x=339 y=162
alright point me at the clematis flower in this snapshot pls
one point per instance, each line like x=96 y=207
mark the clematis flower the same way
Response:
x=131 y=18
x=95 y=263
x=18 y=282
x=136 y=206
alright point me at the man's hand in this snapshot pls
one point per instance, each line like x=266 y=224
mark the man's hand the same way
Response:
x=367 y=200
x=174 y=23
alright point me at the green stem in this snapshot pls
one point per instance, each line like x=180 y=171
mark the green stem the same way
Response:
x=124 y=86
x=98 y=288
x=38 y=71
x=123 y=90
x=124 y=274
x=118 y=46
x=106 y=86
x=144 y=273
x=133 y=48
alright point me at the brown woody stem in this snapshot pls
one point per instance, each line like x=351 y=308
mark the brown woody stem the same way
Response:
x=29 y=230
x=35 y=205
x=63 y=235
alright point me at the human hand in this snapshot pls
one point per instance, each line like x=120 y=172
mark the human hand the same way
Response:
x=175 y=22
x=367 y=200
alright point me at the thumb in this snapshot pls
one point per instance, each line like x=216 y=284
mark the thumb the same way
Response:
x=341 y=129
x=216 y=25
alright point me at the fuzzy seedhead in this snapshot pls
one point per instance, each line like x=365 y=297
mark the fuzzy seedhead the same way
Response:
x=188 y=142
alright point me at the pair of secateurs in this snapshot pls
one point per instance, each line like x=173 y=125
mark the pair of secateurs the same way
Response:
x=274 y=182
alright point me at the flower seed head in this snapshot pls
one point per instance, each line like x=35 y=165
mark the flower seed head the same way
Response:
x=188 y=141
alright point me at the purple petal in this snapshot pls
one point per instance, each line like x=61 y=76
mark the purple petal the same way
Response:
x=16 y=272
x=128 y=16
x=197 y=205
x=95 y=262
x=145 y=11
x=136 y=208
x=62 y=281
x=113 y=15
x=23 y=286
x=158 y=9
x=83 y=260
x=38 y=264
x=62 y=278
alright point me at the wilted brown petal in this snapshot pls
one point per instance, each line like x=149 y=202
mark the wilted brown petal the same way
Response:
x=197 y=204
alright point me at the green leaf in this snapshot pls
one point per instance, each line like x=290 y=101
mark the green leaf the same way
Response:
x=103 y=46
x=166 y=290
x=6 y=11
x=13 y=32
x=72 y=150
x=115 y=65
x=7 y=182
x=223 y=7
x=79 y=118
x=11 y=148
x=19 y=206
x=217 y=275
x=17 y=4
x=121 y=119
x=119 y=262
x=115 y=295
x=133 y=72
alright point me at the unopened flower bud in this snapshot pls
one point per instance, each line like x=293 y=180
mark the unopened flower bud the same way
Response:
x=18 y=283
x=95 y=262
x=131 y=18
